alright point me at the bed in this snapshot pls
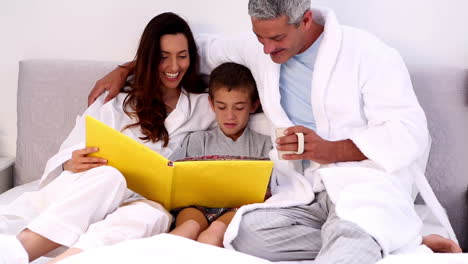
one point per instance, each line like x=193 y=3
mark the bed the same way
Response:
x=52 y=92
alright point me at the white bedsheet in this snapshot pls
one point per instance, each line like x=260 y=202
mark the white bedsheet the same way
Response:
x=435 y=258
x=172 y=249
x=10 y=195
x=166 y=248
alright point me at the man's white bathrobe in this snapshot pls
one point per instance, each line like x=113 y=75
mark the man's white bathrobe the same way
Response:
x=88 y=199
x=361 y=90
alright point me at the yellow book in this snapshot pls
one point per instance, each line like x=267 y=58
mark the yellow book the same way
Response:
x=217 y=183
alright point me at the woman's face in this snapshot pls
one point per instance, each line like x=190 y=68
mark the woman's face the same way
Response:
x=175 y=60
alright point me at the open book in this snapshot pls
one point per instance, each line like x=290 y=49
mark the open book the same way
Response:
x=210 y=183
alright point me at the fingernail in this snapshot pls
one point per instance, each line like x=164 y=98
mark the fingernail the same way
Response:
x=96 y=149
x=285 y=132
x=277 y=140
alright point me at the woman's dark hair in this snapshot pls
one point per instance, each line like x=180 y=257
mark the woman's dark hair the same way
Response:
x=145 y=96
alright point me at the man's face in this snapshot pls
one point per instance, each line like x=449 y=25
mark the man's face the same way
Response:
x=279 y=39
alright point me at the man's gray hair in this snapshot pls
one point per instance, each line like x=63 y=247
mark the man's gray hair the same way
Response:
x=271 y=9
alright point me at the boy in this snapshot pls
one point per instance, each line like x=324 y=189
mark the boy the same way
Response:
x=233 y=97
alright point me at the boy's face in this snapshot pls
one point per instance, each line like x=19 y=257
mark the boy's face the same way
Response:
x=232 y=110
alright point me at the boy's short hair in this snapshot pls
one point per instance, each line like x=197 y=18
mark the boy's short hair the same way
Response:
x=233 y=76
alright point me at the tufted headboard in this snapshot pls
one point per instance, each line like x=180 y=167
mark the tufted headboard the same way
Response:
x=52 y=92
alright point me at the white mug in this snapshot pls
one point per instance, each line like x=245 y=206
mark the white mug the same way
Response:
x=300 y=141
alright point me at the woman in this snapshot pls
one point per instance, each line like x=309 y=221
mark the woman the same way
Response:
x=82 y=207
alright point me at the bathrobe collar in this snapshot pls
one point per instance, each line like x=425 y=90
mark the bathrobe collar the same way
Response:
x=181 y=112
x=324 y=65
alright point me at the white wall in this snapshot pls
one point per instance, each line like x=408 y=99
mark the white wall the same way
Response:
x=88 y=29
x=427 y=32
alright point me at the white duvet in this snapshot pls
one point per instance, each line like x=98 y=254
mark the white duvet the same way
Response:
x=167 y=248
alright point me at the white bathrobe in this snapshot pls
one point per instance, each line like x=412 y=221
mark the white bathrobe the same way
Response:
x=361 y=91
x=192 y=113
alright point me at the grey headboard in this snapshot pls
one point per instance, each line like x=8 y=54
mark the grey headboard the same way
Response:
x=443 y=93
x=51 y=93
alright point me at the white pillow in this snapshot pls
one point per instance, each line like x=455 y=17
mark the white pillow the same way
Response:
x=260 y=124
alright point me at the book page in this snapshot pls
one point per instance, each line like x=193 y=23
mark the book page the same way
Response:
x=146 y=171
x=220 y=183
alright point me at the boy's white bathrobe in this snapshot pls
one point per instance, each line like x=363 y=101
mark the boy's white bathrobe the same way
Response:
x=192 y=113
x=361 y=90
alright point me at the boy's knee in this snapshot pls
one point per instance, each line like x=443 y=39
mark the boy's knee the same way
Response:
x=217 y=227
x=192 y=224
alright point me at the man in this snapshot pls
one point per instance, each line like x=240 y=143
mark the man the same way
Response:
x=351 y=97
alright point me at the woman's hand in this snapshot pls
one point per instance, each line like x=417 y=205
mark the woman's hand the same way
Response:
x=113 y=82
x=80 y=162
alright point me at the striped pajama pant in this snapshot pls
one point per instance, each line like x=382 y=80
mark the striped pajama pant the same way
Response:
x=305 y=232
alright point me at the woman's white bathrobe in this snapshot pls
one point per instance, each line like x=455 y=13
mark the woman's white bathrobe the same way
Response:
x=361 y=90
x=192 y=113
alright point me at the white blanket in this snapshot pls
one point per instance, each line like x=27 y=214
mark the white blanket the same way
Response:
x=151 y=248
x=163 y=248
x=361 y=91
x=167 y=248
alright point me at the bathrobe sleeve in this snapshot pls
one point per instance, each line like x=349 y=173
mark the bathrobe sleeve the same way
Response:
x=396 y=134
